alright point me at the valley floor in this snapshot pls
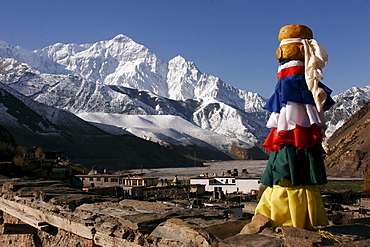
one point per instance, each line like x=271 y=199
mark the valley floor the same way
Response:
x=254 y=168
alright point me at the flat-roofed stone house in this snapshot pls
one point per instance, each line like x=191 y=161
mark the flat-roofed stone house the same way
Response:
x=131 y=183
x=229 y=182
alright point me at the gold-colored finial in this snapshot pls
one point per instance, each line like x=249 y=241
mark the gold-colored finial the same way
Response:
x=295 y=31
x=292 y=51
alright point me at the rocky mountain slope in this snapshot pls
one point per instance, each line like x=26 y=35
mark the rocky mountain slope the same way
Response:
x=350 y=146
x=346 y=104
x=36 y=125
x=71 y=92
x=119 y=76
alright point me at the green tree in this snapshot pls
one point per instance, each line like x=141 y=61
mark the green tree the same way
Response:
x=20 y=159
x=39 y=152
x=367 y=182
x=22 y=151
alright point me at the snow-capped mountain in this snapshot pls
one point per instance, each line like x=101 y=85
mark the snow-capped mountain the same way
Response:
x=100 y=80
x=81 y=96
x=123 y=62
x=159 y=128
x=115 y=76
x=34 y=124
x=346 y=104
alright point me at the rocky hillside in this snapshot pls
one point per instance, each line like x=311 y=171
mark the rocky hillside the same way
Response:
x=49 y=213
x=37 y=125
x=116 y=79
x=350 y=146
x=97 y=78
x=346 y=104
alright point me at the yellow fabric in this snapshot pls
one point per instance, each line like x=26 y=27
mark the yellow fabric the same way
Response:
x=297 y=206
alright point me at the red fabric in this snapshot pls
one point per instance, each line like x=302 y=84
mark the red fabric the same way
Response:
x=294 y=70
x=300 y=137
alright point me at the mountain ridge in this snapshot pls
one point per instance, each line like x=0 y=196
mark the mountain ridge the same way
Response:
x=75 y=94
x=119 y=76
x=350 y=146
x=34 y=124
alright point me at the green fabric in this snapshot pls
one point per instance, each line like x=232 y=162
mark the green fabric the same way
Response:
x=299 y=166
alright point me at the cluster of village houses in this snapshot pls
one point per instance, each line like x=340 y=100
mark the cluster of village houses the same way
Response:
x=137 y=185
x=142 y=186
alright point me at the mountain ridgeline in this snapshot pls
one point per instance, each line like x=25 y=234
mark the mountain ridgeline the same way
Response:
x=350 y=146
x=123 y=90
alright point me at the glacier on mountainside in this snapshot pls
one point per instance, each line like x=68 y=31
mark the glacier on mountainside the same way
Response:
x=96 y=78
x=123 y=62
x=120 y=76
x=161 y=129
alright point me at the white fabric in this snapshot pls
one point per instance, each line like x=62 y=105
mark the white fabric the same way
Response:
x=294 y=114
x=316 y=60
x=291 y=63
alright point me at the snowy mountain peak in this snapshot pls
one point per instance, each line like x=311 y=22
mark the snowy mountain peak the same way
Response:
x=178 y=60
x=97 y=77
x=120 y=76
x=182 y=79
x=346 y=104
x=3 y=44
x=121 y=38
x=180 y=63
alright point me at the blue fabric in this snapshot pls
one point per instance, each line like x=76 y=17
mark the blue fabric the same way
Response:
x=294 y=88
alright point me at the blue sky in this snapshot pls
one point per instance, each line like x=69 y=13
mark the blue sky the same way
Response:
x=232 y=39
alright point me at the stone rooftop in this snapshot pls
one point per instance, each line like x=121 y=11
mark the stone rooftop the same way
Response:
x=50 y=213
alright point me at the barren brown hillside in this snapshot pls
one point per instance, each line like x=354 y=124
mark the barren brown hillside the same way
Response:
x=350 y=146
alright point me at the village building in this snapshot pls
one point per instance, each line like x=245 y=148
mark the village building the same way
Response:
x=228 y=183
x=48 y=165
x=135 y=185
x=95 y=179
x=125 y=184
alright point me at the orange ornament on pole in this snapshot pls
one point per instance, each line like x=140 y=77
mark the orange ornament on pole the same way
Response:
x=293 y=50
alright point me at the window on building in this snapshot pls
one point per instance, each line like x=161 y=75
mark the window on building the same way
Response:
x=226 y=181
x=114 y=180
x=105 y=179
x=91 y=179
x=233 y=181
x=98 y=179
